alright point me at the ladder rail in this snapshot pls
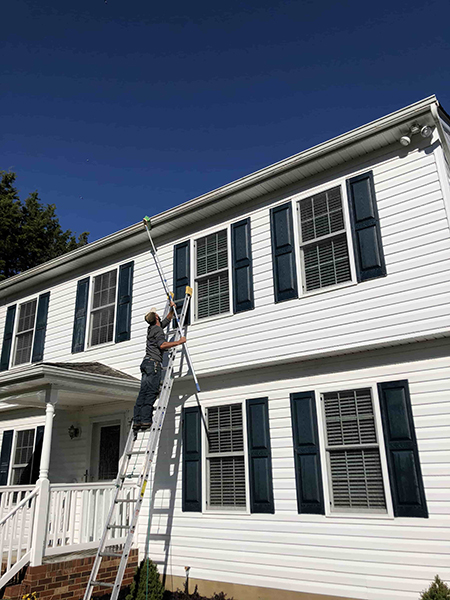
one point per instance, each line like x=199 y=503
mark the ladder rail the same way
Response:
x=152 y=443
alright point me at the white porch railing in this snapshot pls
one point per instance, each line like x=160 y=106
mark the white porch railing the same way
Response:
x=11 y=495
x=16 y=530
x=71 y=518
x=77 y=516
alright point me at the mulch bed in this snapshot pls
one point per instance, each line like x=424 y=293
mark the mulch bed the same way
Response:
x=179 y=595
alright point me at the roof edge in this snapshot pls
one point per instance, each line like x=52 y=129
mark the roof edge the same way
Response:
x=257 y=177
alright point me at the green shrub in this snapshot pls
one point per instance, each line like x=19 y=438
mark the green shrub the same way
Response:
x=146 y=584
x=438 y=590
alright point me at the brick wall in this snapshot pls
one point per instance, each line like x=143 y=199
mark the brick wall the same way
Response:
x=68 y=579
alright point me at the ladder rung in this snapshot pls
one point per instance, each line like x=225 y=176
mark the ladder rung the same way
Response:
x=126 y=500
x=119 y=526
x=111 y=554
x=130 y=476
x=102 y=584
x=136 y=452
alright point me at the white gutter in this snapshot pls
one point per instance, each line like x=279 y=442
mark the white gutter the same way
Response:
x=346 y=139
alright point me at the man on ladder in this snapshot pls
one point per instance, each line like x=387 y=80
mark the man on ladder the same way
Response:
x=119 y=520
x=151 y=366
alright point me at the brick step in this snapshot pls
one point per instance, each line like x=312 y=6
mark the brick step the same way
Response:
x=63 y=579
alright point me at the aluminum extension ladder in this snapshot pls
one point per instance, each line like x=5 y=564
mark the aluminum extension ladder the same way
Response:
x=133 y=441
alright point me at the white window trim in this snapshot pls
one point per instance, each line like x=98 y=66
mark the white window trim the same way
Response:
x=295 y=200
x=89 y=346
x=194 y=277
x=205 y=473
x=119 y=417
x=366 y=514
x=16 y=327
x=14 y=446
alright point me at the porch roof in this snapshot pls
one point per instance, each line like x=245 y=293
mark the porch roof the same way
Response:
x=77 y=384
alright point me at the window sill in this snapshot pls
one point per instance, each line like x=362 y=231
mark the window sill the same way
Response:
x=104 y=345
x=329 y=288
x=355 y=515
x=22 y=366
x=225 y=511
x=211 y=319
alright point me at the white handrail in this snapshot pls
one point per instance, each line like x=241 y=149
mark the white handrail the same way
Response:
x=16 y=534
x=18 y=506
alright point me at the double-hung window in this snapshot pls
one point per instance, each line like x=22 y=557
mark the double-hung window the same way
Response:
x=225 y=457
x=103 y=308
x=212 y=278
x=25 y=332
x=352 y=449
x=21 y=468
x=324 y=249
x=103 y=305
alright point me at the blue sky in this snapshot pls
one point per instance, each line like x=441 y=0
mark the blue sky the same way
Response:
x=116 y=109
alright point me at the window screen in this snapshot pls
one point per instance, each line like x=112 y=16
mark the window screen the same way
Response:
x=323 y=240
x=25 y=331
x=352 y=448
x=22 y=456
x=212 y=277
x=226 y=463
x=103 y=308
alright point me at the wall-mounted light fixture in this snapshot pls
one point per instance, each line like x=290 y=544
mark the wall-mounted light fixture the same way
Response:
x=74 y=432
x=424 y=130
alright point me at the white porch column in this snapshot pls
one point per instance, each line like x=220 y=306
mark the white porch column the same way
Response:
x=50 y=400
x=42 y=503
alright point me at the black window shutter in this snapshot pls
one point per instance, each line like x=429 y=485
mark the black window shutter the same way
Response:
x=37 y=453
x=5 y=455
x=7 y=338
x=283 y=253
x=308 y=472
x=41 y=327
x=260 y=458
x=125 y=293
x=405 y=475
x=181 y=273
x=81 y=307
x=241 y=251
x=369 y=256
x=192 y=460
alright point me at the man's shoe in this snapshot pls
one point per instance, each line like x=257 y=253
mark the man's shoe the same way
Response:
x=146 y=425
x=137 y=426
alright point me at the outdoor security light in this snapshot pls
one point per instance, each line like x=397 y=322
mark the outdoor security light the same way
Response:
x=405 y=140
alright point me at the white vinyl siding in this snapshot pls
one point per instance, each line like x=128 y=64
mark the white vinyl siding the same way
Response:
x=409 y=303
x=212 y=275
x=23 y=452
x=103 y=308
x=353 y=456
x=325 y=258
x=225 y=458
x=25 y=332
x=367 y=554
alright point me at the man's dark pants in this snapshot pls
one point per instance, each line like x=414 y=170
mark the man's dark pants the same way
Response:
x=150 y=384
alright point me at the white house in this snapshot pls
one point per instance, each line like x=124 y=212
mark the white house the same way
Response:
x=319 y=331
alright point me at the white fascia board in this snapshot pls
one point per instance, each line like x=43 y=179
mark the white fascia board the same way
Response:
x=135 y=234
x=45 y=375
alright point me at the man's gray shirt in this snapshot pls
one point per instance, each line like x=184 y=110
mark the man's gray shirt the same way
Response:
x=156 y=337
